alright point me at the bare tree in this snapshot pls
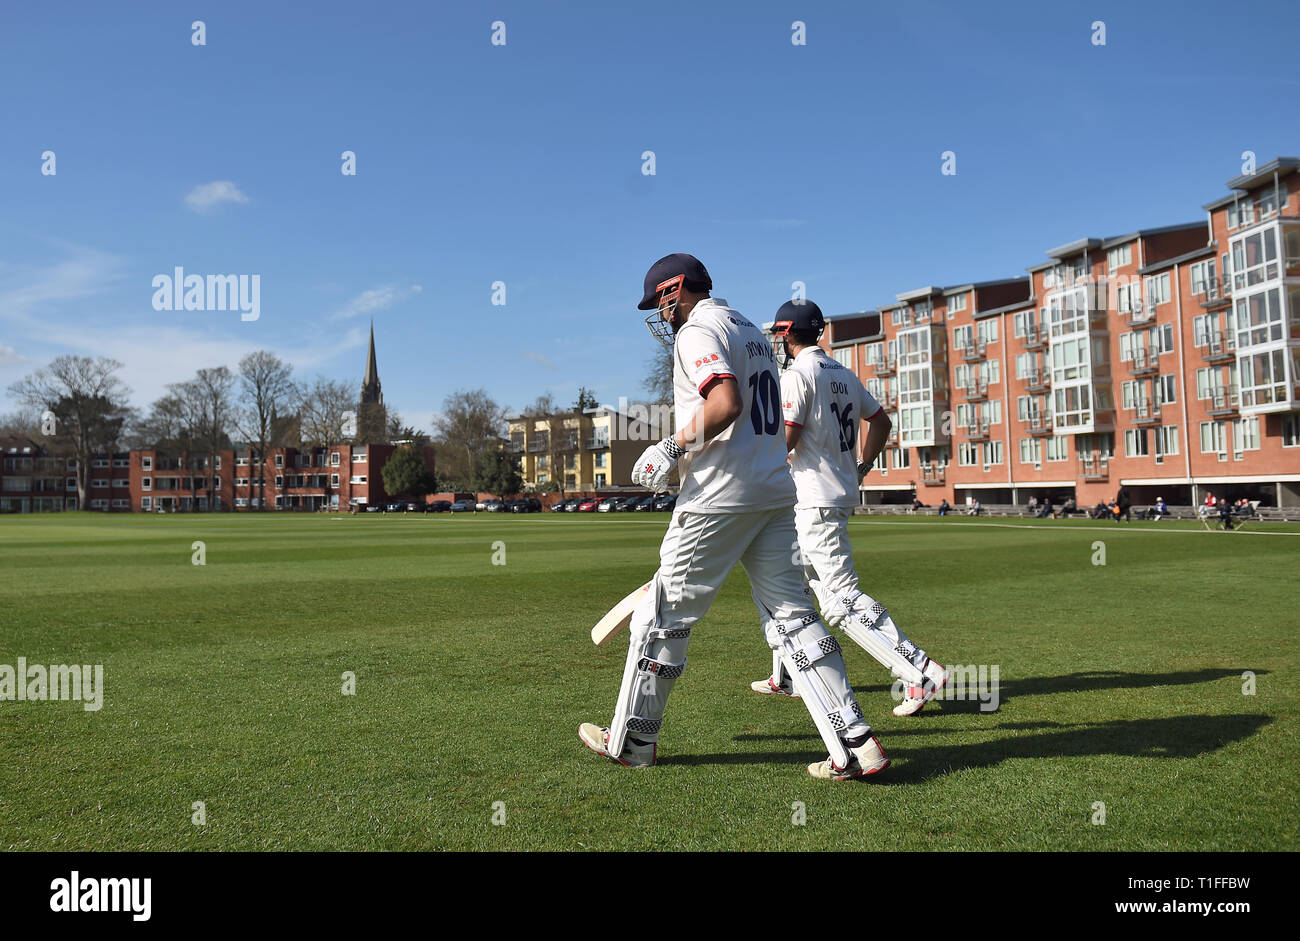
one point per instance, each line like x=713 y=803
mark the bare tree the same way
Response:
x=323 y=411
x=24 y=421
x=470 y=423
x=658 y=382
x=214 y=388
x=265 y=390
x=89 y=404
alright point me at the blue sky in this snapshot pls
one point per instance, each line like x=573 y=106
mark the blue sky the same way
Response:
x=522 y=163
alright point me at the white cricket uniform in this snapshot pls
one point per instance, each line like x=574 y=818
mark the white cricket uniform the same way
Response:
x=828 y=403
x=735 y=505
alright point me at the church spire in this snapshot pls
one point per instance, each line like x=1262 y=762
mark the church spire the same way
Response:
x=371 y=393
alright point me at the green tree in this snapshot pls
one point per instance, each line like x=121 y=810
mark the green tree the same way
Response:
x=586 y=400
x=405 y=474
x=498 y=473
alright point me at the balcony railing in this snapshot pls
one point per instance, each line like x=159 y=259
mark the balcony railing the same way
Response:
x=973 y=352
x=539 y=444
x=1223 y=400
x=979 y=389
x=570 y=442
x=1037 y=380
x=1094 y=467
x=516 y=447
x=978 y=430
x=1146 y=412
x=887 y=366
x=1142 y=312
x=1038 y=423
x=932 y=474
x=596 y=443
x=1217 y=290
x=1143 y=363
x=1035 y=337
x=1220 y=348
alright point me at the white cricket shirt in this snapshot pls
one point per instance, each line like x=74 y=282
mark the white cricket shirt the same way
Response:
x=829 y=402
x=744 y=468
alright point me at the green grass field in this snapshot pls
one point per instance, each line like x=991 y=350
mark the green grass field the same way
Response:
x=1120 y=684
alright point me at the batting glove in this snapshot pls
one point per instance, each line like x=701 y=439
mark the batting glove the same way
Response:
x=863 y=470
x=654 y=465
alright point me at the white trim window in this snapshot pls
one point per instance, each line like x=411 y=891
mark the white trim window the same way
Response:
x=146 y=483
x=146 y=463
x=1202 y=274
x=334 y=459
x=1156 y=289
x=963 y=336
x=1166 y=441
x=993 y=372
x=1166 y=389
x=1031 y=451
x=1213 y=438
x=956 y=302
x=1135 y=443
x=146 y=503
x=968 y=454
x=1291 y=430
x=1118 y=257
x=844 y=356
x=992 y=453
x=1058 y=448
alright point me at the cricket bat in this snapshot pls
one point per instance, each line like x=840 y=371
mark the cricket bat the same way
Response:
x=618 y=617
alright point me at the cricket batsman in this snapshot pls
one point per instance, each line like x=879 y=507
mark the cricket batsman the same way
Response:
x=823 y=404
x=735 y=505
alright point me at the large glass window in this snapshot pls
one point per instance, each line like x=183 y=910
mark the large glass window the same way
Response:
x=1254 y=258
x=1263 y=378
x=1259 y=318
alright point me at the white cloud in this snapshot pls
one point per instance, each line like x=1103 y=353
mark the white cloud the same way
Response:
x=9 y=357
x=207 y=195
x=540 y=359
x=367 y=302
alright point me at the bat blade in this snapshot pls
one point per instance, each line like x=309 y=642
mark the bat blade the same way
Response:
x=618 y=616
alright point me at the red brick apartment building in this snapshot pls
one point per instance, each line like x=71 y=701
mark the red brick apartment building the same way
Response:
x=339 y=477
x=1166 y=360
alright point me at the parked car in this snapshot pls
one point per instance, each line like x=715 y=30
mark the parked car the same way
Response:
x=588 y=505
x=492 y=506
x=393 y=508
x=463 y=506
x=666 y=502
x=438 y=506
x=644 y=505
x=558 y=506
x=411 y=507
x=527 y=505
x=571 y=506
x=608 y=505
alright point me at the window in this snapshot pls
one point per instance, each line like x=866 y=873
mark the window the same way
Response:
x=992 y=452
x=1201 y=327
x=241 y=460
x=1135 y=442
x=1202 y=276
x=600 y=480
x=1254 y=259
x=146 y=483
x=357 y=479
x=1259 y=318
x=992 y=372
x=961 y=374
x=602 y=458
x=1119 y=257
x=1157 y=289
x=146 y=463
x=146 y=503
x=992 y=411
x=961 y=336
x=967 y=454
x=1212 y=437
x=1022 y=323
x=99 y=483
x=956 y=302
x=987 y=331
x=334 y=480
x=1031 y=451
x=279 y=460
x=1291 y=430
x=1263 y=378
x=1166 y=390
x=1245 y=434
x=334 y=459
x=874 y=354
x=1166 y=439
x=121 y=482
x=1058 y=448
x=844 y=357
x=1162 y=339
x=1127 y=395
x=1205 y=382
x=902 y=458
x=279 y=481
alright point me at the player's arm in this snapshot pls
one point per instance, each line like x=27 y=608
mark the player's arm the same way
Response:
x=792 y=434
x=795 y=399
x=878 y=427
x=722 y=406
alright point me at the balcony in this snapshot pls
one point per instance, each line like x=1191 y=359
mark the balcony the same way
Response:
x=1038 y=424
x=570 y=442
x=886 y=367
x=889 y=401
x=974 y=352
x=539 y=444
x=1094 y=467
x=516 y=447
x=978 y=430
x=1037 y=381
x=1217 y=291
x=1220 y=348
x=932 y=475
x=1142 y=313
x=977 y=390
x=596 y=443
x=1223 y=401
x=1035 y=337
x=1143 y=363
x=1145 y=412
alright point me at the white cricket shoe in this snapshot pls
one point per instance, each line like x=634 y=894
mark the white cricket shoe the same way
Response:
x=632 y=755
x=772 y=689
x=915 y=697
x=865 y=760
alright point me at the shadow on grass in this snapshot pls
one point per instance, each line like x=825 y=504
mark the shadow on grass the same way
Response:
x=1174 y=737
x=1091 y=681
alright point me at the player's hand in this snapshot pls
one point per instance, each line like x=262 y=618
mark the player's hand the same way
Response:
x=655 y=464
x=863 y=470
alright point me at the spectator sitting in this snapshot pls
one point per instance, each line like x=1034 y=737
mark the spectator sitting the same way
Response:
x=1225 y=514
x=1033 y=504
x=974 y=508
x=1047 y=509
x=917 y=504
x=1099 y=511
x=1068 y=507
x=944 y=507
x=1161 y=509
